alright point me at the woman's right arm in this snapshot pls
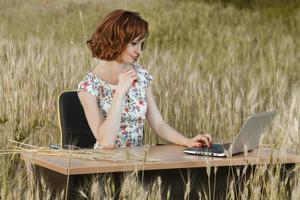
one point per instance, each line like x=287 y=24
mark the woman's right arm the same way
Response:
x=106 y=129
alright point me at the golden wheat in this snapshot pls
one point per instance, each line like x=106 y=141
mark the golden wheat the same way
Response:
x=214 y=64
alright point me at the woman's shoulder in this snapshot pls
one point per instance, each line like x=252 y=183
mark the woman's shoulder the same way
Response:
x=92 y=78
x=90 y=83
x=141 y=69
x=143 y=74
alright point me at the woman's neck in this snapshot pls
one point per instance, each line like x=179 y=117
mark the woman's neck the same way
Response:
x=109 y=70
x=114 y=67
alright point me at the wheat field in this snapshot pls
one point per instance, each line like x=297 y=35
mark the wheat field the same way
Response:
x=214 y=63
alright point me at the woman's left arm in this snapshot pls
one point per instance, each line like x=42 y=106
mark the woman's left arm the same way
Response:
x=161 y=128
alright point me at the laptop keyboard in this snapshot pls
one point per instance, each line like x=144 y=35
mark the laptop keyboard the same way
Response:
x=215 y=148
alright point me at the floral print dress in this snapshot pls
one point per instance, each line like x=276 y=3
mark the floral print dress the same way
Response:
x=133 y=109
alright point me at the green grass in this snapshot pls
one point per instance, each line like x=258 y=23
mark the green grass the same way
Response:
x=214 y=64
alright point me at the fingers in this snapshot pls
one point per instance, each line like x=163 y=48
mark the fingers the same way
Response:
x=195 y=144
x=127 y=79
x=129 y=72
x=132 y=74
x=127 y=69
x=204 y=139
x=198 y=144
x=209 y=137
x=128 y=76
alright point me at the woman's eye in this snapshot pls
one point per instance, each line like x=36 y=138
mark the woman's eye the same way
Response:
x=134 y=43
x=142 y=45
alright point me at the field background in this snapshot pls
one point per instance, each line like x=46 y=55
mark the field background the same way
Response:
x=215 y=62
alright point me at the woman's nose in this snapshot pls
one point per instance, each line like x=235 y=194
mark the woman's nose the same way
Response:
x=138 y=49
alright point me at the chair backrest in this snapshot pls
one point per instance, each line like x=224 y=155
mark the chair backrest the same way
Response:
x=74 y=127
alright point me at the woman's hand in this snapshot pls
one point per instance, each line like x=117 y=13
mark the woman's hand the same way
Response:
x=126 y=79
x=200 y=141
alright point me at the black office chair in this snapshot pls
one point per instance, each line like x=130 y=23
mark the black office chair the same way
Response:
x=74 y=127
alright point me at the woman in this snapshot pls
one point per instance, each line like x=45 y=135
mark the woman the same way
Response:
x=116 y=95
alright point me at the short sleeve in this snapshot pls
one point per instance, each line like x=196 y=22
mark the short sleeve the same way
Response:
x=91 y=84
x=144 y=76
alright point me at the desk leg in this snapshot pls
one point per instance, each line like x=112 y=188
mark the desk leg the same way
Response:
x=50 y=183
x=53 y=185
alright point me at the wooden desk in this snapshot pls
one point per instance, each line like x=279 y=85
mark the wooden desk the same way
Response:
x=168 y=159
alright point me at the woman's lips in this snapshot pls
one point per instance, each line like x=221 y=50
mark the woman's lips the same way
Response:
x=134 y=57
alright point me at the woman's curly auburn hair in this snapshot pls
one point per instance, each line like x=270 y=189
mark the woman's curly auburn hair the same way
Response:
x=117 y=29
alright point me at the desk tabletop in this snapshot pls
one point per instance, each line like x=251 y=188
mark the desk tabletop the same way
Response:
x=152 y=158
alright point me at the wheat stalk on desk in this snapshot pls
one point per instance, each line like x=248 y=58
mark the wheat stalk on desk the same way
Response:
x=86 y=154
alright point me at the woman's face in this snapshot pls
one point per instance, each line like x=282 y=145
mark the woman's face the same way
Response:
x=132 y=51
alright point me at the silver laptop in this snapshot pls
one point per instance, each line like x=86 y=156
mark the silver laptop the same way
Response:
x=247 y=140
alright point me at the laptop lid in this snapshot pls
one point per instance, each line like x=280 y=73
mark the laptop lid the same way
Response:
x=251 y=132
